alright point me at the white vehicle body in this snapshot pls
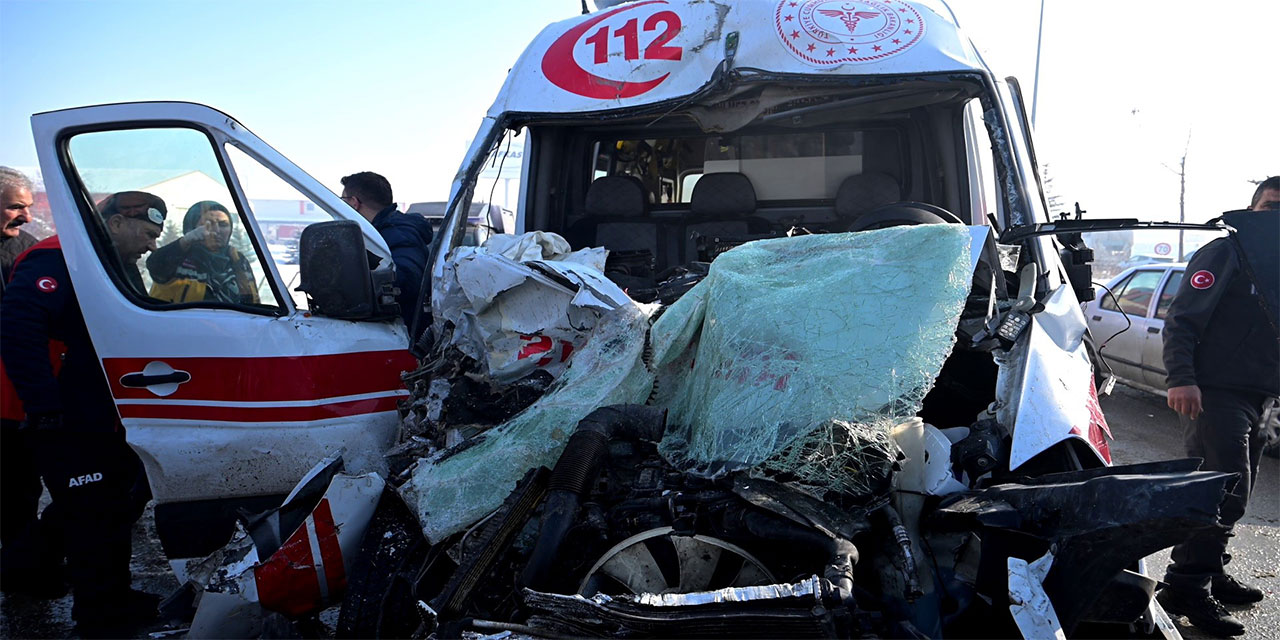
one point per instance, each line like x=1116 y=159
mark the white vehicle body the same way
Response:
x=268 y=391
x=249 y=399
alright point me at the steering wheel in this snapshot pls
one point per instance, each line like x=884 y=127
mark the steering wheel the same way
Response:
x=902 y=213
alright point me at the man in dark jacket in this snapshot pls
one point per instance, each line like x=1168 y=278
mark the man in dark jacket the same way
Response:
x=28 y=563
x=72 y=425
x=1222 y=355
x=408 y=236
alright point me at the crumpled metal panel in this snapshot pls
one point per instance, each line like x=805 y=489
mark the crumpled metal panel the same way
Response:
x=811 y=588
x=459 y=486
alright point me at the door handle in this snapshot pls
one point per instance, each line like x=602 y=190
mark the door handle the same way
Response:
x=1153 y=329
x=1097 y=318
x=140 y=379
x=157 y=377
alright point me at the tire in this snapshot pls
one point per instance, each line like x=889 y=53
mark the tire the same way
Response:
x=392 y=542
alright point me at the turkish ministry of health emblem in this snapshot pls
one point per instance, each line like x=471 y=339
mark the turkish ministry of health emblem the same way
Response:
x=825 y=33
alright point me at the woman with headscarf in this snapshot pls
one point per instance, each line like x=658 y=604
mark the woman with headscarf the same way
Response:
x=202 y=265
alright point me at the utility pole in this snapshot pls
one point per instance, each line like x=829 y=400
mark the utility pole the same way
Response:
x=1182 y=194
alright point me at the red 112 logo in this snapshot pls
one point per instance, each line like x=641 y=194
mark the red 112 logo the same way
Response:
x=560 y=67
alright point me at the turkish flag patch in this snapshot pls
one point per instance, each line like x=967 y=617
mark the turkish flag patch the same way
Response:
x=47 y=284
x=1201 y=279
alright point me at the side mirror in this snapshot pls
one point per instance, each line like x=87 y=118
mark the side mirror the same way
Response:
x=1077 y=258
x=334 y=273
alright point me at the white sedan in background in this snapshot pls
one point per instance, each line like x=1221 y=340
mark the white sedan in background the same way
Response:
x=1127 y=323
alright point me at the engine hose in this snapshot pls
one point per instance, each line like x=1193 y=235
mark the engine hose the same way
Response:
x=576 y=470
x=842 y=554
x=903 y=541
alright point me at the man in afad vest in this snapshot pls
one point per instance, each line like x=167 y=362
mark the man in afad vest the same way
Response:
x=71 y=422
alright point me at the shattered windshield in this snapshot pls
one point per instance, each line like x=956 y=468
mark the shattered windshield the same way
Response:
x=799 y=354
x=795 y=356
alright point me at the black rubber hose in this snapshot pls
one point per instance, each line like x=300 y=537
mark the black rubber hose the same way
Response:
x=577 y=468
x=842 y=555
x=902 y=540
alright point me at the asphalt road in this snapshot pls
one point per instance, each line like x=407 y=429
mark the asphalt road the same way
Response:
x=1144 y=429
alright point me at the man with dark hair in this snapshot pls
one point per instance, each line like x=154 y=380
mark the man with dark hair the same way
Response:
x=408 y=236
x=72 y=427
x=1222 y=355
x=1267 y=195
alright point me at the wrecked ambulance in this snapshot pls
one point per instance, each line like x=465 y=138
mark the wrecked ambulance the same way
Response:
x=817 y=379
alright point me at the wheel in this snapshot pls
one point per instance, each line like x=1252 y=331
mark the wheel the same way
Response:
x=382 y=579
x=656 y=561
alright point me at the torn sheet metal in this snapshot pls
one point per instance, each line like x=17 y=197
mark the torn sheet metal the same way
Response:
x=304 y=573
x=459 y=486
x=543 y=246
x=800 y=610
x=309 y=571
x=809 y=588
x=523 y=303
x=1028 y=602
x=1052 y=396
x=787 y=335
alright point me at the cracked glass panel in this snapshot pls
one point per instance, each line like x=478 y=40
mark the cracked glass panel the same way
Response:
x=798 y=354
x=461 y=485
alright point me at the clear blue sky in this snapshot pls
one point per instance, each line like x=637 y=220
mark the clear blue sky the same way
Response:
x=399 y=87
x=338 y=87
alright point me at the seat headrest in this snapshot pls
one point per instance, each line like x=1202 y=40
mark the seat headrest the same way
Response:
x=622 y=196
x=866 y=191
x=722 y=194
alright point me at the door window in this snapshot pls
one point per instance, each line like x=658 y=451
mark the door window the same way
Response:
x=1166 y=295
x=1110 y=300
x=1138 y=291
x=165 y=223
x=281 y=211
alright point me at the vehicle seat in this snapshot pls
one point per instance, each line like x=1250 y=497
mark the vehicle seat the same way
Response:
x=903 y=213
x=617 y=208
x=863 y=192
x=722 y=204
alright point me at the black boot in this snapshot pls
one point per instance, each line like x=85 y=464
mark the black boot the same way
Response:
x=1203 y=610
x=1231 y=591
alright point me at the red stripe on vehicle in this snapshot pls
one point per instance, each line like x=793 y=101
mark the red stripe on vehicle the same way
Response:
x=258 y=414
x=335 y=572
x=287 y=581
x=269 y=379
x=1099 y=432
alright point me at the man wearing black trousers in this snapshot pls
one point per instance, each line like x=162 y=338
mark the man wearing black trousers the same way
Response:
x=72 y=426
x=1222 y=354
